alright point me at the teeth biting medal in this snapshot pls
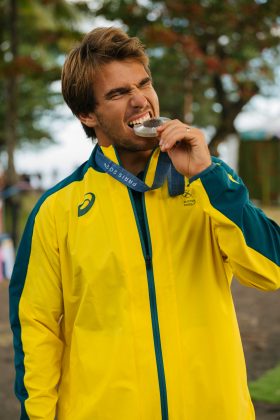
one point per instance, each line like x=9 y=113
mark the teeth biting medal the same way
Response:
x=149 y=127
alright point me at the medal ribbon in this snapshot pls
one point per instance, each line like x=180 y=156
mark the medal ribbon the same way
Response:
x=165 y=168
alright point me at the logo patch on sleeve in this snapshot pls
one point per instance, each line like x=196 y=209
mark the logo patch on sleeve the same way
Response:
x=232 y=179
x=87 y=204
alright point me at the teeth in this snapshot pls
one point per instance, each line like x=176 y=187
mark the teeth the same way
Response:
x=139 y=120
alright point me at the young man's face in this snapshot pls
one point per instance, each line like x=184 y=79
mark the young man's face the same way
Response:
x=124 y=94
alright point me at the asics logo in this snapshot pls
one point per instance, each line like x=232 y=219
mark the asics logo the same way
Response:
x=87 y=204
x=232 y=179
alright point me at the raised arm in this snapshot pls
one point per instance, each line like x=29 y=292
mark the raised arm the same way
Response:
x=249 y=241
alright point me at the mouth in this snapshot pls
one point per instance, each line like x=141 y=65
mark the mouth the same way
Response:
x=139 y=121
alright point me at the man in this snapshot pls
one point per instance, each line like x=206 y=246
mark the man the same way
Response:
x=120 y=299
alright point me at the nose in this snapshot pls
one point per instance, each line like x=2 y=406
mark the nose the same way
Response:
x=138 y=100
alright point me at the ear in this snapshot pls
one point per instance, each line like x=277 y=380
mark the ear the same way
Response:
x=89 y=120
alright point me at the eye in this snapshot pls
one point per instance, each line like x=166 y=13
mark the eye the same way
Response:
x=116 y=96
x=146 y=83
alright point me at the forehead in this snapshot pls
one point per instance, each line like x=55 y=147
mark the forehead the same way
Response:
x=119 y=74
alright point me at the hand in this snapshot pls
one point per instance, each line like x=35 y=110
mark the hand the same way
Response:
x=185 y=146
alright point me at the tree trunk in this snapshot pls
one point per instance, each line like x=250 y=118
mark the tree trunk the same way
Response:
x=12 y=94
x=223 y=131
x=12 y=203
x=230 y=110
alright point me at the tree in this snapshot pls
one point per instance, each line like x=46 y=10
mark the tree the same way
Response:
x=211 y=56
x=34 y=36
x=45 y=30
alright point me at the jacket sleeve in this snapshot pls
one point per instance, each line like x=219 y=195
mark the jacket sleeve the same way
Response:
x=248 y=240
x=36 y=311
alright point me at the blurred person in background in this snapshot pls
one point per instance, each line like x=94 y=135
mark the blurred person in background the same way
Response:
x=120 y=299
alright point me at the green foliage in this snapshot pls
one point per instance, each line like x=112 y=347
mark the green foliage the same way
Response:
x=167 y=80
x=267 y=387
x=46 y=29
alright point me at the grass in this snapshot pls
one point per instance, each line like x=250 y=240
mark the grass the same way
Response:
x=267 y=387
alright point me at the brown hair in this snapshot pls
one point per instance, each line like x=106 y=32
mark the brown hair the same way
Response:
x=100 y=46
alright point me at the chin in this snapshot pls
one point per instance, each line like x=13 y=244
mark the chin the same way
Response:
x=147 y=145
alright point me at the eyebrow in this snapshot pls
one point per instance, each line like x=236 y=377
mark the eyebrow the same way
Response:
x=125 y=89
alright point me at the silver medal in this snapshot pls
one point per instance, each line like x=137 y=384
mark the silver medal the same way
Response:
x=149 y=128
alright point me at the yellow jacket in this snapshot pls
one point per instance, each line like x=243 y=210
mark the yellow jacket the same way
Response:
x=108 y=328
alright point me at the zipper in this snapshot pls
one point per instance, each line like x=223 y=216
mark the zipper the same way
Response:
x=147 y=253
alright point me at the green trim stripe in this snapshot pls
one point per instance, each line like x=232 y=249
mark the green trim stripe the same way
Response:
x=18 y=280
x=228 y=194
x=142 y=225
x=155 y=321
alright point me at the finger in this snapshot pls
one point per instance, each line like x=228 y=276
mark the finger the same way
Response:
x=174 y=135
x=170 y=130
x=171 y=122
x=169 y=144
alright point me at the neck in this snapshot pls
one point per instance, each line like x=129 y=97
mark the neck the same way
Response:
x=134 y=162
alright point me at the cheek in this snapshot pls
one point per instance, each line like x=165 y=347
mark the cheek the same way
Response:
x=110 y=116
x=155 y=101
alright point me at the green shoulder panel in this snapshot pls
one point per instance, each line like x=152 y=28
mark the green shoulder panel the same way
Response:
x=228 y=194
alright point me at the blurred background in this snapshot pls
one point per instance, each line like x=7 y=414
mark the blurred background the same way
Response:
x=215 y=65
